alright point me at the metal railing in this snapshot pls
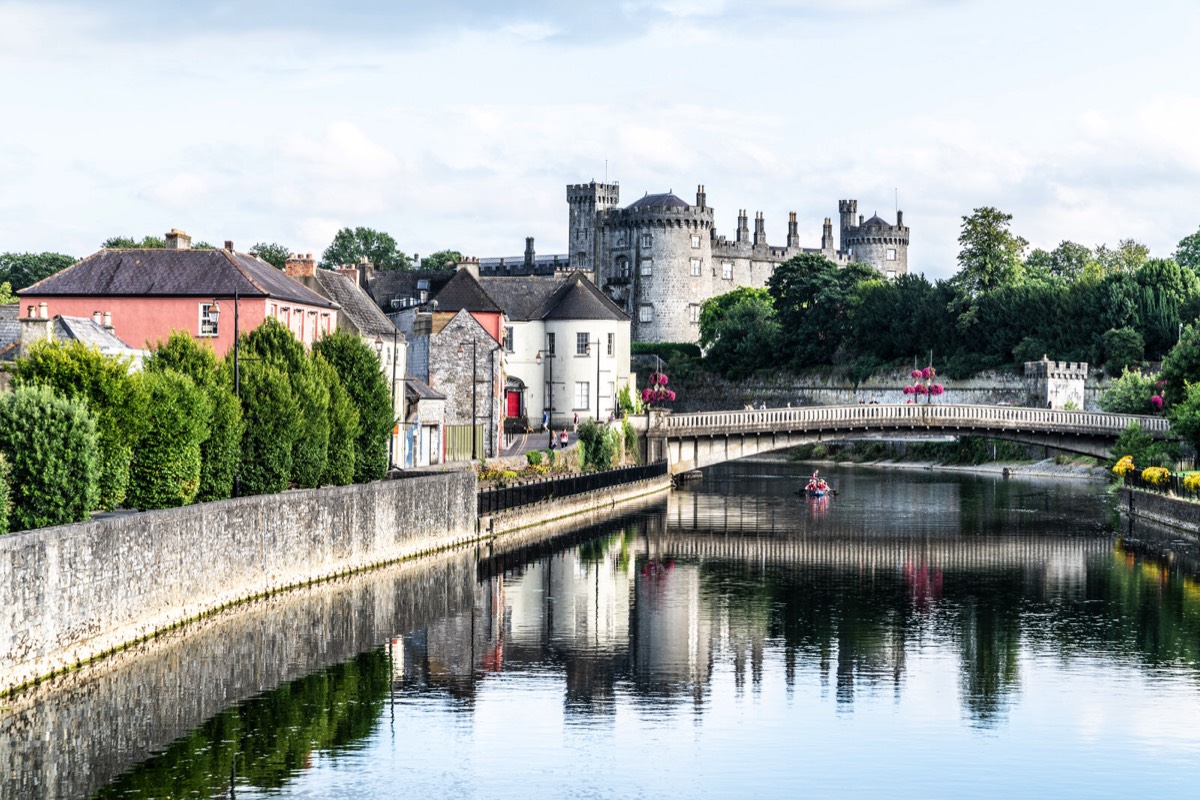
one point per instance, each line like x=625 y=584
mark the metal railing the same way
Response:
x=1173 y=485
x=540 y=490
x=906 y=416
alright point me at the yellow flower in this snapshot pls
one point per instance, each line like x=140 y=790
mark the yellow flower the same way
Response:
x=1123 y=466
x=1156 y=476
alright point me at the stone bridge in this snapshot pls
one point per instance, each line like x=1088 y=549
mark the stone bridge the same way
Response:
x=695 y=441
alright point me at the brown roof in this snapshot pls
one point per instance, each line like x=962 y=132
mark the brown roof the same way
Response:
x=138 y=272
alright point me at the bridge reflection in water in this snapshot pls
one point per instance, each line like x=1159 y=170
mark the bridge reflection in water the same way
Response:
x=735 y=580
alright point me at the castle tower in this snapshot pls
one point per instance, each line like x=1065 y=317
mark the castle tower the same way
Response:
x=847 y=210
x=876 y=241
x=588 y=202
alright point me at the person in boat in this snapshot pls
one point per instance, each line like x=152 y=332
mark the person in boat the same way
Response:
x=816 y=483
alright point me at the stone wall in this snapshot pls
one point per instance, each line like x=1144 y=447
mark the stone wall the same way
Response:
x=1172 y=511
x=70 y=593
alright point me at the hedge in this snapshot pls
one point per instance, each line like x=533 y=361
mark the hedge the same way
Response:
x=165 y=471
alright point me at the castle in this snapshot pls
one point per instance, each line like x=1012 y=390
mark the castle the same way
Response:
x=660 y=258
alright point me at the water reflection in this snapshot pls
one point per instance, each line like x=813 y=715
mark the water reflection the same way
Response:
x=733 y=591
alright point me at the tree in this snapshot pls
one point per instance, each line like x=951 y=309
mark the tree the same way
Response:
x=350 y=246
x=442 y=259
x=166 y=465
x=3 y=495
x=1181 y=366
x=358 y=367
x=598 y=445
x=1123 y=348
x=49 y=442
x=1187 y=253
x=220 y=451
x=1069 y=260
x=6 y=294
x=270 y=412
x=79 y=371
x=1129 y=394
x=1127 y=257
x=128 y=242
x=21 y=270
x=745 y=337
x=344 y=427
x=1185 y=416
x=813 y=301
x=991 y=255
x=274 y=254
x=716 y=309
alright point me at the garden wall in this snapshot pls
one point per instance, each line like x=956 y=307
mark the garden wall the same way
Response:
x=70 y=593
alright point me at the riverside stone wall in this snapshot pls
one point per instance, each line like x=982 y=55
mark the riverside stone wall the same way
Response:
x=1172 y=511
x=70 y=593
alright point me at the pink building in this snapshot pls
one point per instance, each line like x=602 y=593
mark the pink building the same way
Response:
x=147 y=294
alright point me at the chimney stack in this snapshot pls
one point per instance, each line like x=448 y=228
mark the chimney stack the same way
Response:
x=43 y=311
x=300 y=265
x=229 y=245
x=34 y=328
x=178 y=240
x=108 y=326
x=529 y=254
x=899 y=219
x=701 y=197
x=760 y=232
x=349 y=272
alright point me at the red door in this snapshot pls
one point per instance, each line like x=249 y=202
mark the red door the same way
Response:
x=514 y=405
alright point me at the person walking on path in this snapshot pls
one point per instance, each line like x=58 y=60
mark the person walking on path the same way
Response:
x=562 y=439
x=576 y=423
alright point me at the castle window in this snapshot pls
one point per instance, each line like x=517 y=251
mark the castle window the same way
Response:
x=623 y=267
x=646 y=313
x=694 y=313
x=646 y=240
x=696 y=266
x=647 y=266
x=727 y=270
x=581 y=344
x=891 y=254
x=695 y=241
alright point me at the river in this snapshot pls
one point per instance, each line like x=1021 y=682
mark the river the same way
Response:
x=918 y=634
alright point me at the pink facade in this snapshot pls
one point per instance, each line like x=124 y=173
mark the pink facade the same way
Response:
x=143 y=321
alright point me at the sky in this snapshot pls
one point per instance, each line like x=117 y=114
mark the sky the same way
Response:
x=458 y=124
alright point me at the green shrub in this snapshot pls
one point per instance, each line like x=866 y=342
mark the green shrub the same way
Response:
x=632 y=451
x=533 y=458
x=3 y=495
x=50 y=444
x=275 y=344
x=1145 y=451
x=1129 y=394
x=358 y=367
x=343 y=427
x=78 y=371
x=165 y=471
x=597 y=445
x=270 y=413
x=220 y=452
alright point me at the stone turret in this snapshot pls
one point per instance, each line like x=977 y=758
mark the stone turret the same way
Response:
x=1054 y=384
x=588 y=202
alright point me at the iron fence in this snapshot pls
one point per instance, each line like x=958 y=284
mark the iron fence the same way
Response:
x=540 y=490
x=1172 y=485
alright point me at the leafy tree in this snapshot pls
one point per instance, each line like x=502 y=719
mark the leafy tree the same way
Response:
x=442 y=259
x=274 y=254
x=6 y=294
x=991 y=255
x=350 y=245
x=1129 y=394
x=22 y=270
x=1185 y=416
x=813 y=299
x=715 y=310
x=275 y=344
x=745 y=338
x=343 y=427
x=79 y=371
x=1123 y=348
x=1069 y=260
x=3 y=495
x=166 y=466
x=270 y=412
x=598 y=445
x=1187 y=253
x=1181 y=366
x=358 y=367
x=220 y=451
x=49 y=442
x=1127 y=257
x=1143 y=448
x=128 y=242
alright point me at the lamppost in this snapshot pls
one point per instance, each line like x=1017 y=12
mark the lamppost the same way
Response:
x=214 y=312
x=549 y=356
x=586 y=349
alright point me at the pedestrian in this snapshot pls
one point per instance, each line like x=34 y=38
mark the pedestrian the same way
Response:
x=576 y=422
x=562 y=439
x=553 y=438
x=545 y=420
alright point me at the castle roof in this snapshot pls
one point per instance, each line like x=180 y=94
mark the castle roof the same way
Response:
x=143 y=272
x=877 y=222
x=666 y=200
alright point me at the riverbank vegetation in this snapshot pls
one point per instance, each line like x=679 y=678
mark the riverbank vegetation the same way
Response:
x=82 y=432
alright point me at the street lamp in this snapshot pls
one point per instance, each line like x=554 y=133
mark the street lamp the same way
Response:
x=549 y=356
x=586 y=349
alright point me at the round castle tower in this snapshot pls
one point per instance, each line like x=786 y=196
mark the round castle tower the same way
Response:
x=875 y=242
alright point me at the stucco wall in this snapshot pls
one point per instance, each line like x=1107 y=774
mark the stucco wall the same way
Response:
x=73 y=592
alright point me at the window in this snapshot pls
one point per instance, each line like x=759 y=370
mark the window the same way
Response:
x=583 y=394
x=623 y=267
x=612 y=344
x=550 y=343
x=647 y=266
x=891 y=273
x=646 y=240
x=581 y=344
x=695 y=241
x=508 y=343
x=696 y=266
x=646 y=313
x=693 y=312
x=726 y=270
x=208 y=320
x=891 y=254
x=620 y=238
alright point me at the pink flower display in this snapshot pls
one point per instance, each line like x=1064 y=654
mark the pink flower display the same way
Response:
x=923 y=383
x=1157 y=402
x=657 y=392
x=916 y=373
x=937 y=388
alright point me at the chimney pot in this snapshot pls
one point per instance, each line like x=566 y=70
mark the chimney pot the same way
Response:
x=229 y=245
x=108 y=320
x=96 y=317
x=177 y=240
x=43 y=311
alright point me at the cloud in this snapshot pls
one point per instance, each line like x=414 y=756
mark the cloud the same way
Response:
x=344 y=152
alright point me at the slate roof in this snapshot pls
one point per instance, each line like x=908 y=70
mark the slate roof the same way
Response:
x=138 y=272
x=522 y=298
x=578 y=298
x=666 y=200
x=356 y=305
x=403 y=285
x=878 y=222
x=85 y=329
x=417 y=389
x=463 y=292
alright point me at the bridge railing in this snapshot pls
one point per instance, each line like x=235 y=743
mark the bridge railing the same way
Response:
x=914 y=415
